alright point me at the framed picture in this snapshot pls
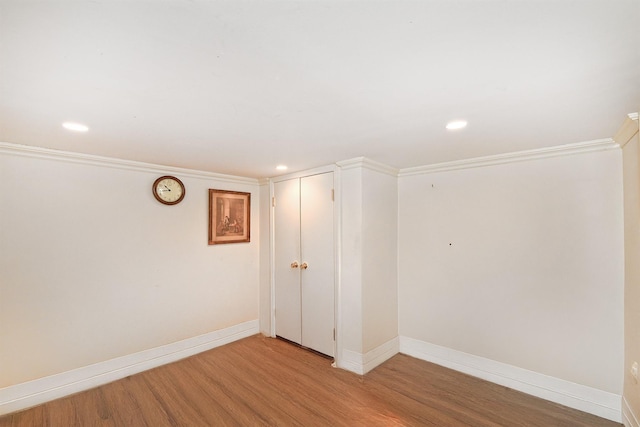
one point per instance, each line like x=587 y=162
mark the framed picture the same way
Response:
x=229 y=217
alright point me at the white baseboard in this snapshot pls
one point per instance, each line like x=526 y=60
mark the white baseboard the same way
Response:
x=587 y=399
x=25 y=395
x=381 y=354
x=629 y=419
x=351 y=361
x=363 y=363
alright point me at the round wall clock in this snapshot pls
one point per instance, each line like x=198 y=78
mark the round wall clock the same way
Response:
x=168 y=190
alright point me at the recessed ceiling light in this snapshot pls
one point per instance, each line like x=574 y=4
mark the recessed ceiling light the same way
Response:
x=76 y=127
x=281 y=167
x=456 y=124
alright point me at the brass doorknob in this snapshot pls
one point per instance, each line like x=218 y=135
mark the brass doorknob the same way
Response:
x=304 y=266
x=294 y=264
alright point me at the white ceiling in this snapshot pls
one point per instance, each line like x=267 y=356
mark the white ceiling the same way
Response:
x=238 y=87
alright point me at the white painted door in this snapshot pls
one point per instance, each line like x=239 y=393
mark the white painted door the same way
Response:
x=317 y=279
x=287 y=252
x=304 y=261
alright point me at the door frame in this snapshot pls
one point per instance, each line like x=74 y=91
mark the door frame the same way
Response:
x=337 y=350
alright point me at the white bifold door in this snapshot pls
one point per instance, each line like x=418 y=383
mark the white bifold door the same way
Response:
x=305 y=262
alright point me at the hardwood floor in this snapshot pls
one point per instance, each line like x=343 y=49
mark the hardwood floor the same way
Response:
x=261 y=381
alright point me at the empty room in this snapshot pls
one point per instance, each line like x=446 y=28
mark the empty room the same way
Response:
x=320 y=212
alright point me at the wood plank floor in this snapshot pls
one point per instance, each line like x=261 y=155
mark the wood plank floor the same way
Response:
x=261 y=381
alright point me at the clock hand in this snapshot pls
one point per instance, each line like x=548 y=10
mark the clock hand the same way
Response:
x=168 y=189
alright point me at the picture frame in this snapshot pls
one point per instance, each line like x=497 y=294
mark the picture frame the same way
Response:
x=229 y=217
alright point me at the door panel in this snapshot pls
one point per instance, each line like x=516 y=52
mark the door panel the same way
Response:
x=287 y=250
x=317 y=251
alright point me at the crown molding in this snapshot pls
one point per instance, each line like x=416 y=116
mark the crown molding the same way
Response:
x=357 y=162
x=110 y=162
x=518 y=156
x=628 y=130
x=365 y=163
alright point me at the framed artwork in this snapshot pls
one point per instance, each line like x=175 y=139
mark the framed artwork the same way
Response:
x=229 y=217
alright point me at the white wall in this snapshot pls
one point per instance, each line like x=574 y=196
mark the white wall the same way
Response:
x=368 y=262
x=350 y=327
x=628 y=139
x=519 y=263
x=379 y=258
x=94 y=268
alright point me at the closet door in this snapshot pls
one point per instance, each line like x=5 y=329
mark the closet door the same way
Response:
x=318 y=268
x=287 y=260
x=305 y=262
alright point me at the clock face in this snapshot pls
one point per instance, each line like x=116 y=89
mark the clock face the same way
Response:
x=168 y=190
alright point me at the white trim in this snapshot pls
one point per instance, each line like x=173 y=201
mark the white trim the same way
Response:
x=629 y=419
x=518 y=156
x=633 y=116
x=363 y=162
x=337 y=253
x=89 y=159
x=351 y=361
x=594 y=401
x=381 y=354
x=363 y=363
x=272 y=261
x=25 y=395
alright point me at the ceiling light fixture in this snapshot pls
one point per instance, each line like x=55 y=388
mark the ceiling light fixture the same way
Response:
x=281 y=167
x=456 y=124
x=76 y=127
